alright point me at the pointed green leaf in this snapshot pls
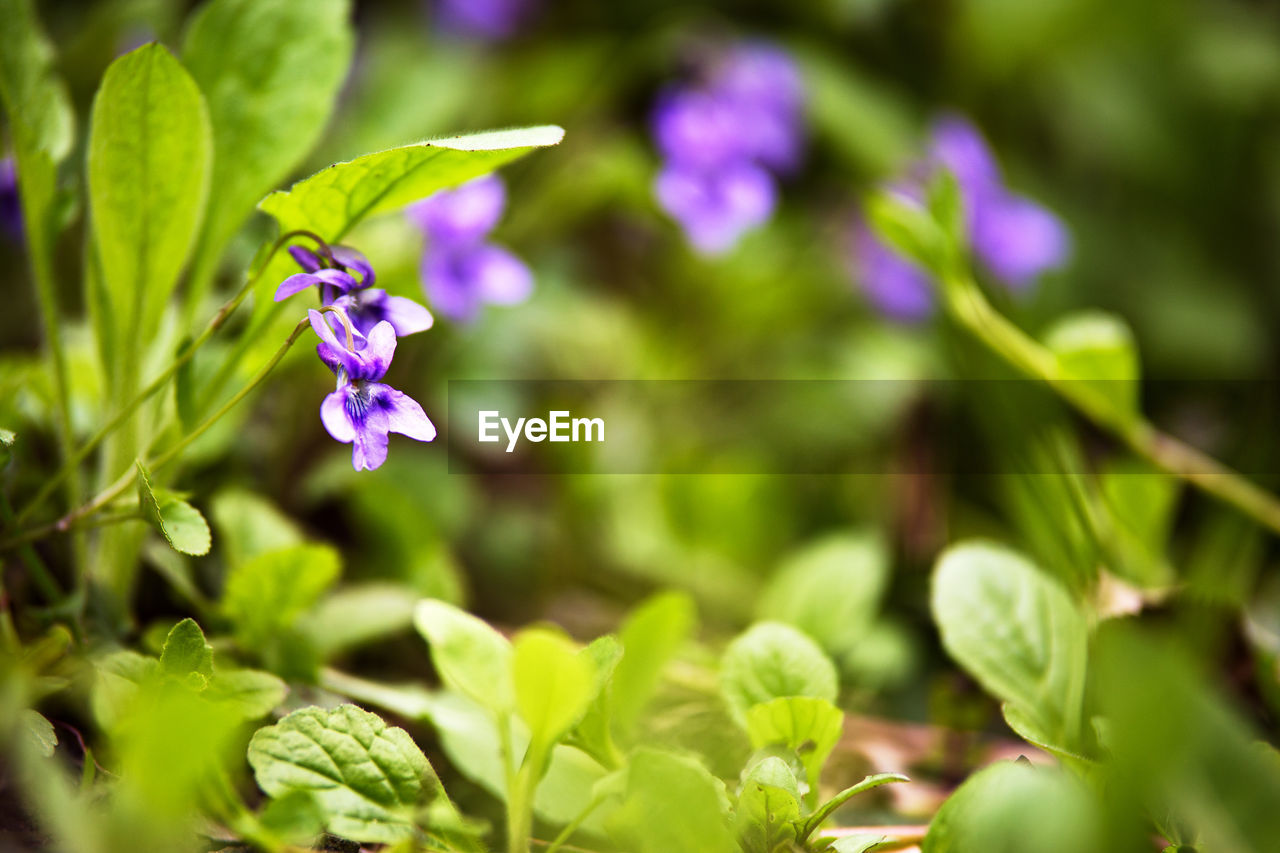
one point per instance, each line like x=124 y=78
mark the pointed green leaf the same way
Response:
x=186 y=651
x=149 y=158
x=651 y=636
x=806 y=724
x=470 y=657
x=368 y=778
x=772 y=660
x=39 y=731
x=181 y=524
x=766 y=815
x=554 y=685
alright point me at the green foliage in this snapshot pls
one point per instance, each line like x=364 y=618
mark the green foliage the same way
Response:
x=264 y=595
x=768 y=807
x=1017 y=632
x=553 y=683
x=471 y=657
x=671 y=804
x=150 y=152
x=181 y=524
x=651 y=635
x=368 y=778
x=771 y=661
x=186 y=654
x=1099 y=349
x=809 y=726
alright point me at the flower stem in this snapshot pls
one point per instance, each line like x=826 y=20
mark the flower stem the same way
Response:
x=74 y=518
x=971 y=310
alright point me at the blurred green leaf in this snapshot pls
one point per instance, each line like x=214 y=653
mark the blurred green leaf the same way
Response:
x=808 y=725
x=553 y=683
x=1142 y=501
x=1098 y=348
x=593 y=732
x=252 y=693
x=181 y=524
x=671 y=805
x=265 y=595
x=295 y=817
x=249 y=525
x=830 y=589
x=269 y=70
x=150 y=152
x=358 y=614
x=1017 y=632
x=651 y=636
x=769 y=661
x=368 y=778
x=908 y=227
x=186 y=653
x=470 y=657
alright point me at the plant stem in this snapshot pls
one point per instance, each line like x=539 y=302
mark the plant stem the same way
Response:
x=971 y=310
x=567 y=833
x=74 y=458
x=107 y=495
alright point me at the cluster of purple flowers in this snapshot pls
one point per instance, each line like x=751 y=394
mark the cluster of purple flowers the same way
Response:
x=461 y=269
x=357 y=341
x=1013 y=238
x=724 y=139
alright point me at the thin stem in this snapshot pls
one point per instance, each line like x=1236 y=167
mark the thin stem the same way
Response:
x=567 y=833
x=116 y=489
x=971 y=309
x=219 y=319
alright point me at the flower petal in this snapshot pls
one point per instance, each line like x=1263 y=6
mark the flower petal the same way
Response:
x=354 y=260
x=462 y=215
x=379 y=351
x=406 y=315
x=1018 y=240
x=306 y=258
x=295 y=284
x=404 y=415
x=337 y=278
x=448 y=284
x=500 y=276
x=369 y=450
x=333 y=414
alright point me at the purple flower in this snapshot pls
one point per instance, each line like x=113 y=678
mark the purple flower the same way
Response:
x=10 y=203
x=716 y=207
x=1012 y=237
x=722 y=139
x=341 y=288
x=486 y=20
x=461 y=271
x=362 y=411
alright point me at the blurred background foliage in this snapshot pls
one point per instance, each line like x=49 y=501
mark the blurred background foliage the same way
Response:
x=1152 y=127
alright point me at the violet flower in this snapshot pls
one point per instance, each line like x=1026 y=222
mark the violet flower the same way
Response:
x=461 y=270
x=363 y=411
x=483 y=20
x=10 y=202
x=1013 y=238
x=347 y=285
x=723 y=140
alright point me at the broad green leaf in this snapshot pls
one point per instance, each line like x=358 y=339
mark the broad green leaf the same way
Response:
x=1098 y=348
x=150 y=151
x=186 y=652
x=251 y=692
x=267 y=594
x=806 y=724
x=554 y=684
x=1015 y=806
x=39 y=731
x=369 y=778
x=671 y=805
x=331 y=202
x=831 y=589
x=117 y=677
x=771 y=660
x=357 y=614
x=651 y=636
x=269 y=70
x=768 y=807
x=470 y=657
x=250 y=525
x=181 y=524
x=1016 y=631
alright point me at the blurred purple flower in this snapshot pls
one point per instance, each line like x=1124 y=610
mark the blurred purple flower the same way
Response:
x=484 y=20
x=461 y=270
x=10 y=203
x=339 y=287
x=362 y=411
x=721 y=139
x=1015 y=239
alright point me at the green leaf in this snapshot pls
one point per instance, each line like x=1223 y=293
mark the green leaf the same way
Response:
x=470 y=657
x=251 y=692
x=295 y=818
x=1016 y=631
x=671 y=805
x=369 y=778
x=264 y=596
x=1098 y=348
x=269 y=70
x=357 y=614
x=651 y=636
x=117 y=677
x=1017 y=806
x=181 y=524
x=828 y=808
x=771 y=660
x=831 y=589
x=39 y=731
x=860 y=843
x=35 y=100
x=1142 y=501
x=768 y=807
x=250 y=525
x=186 y=652
x=554 y=685
x=149 y=159
x=908 y=228
x=593 y=733
x=808 y=725
x=331 y=202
